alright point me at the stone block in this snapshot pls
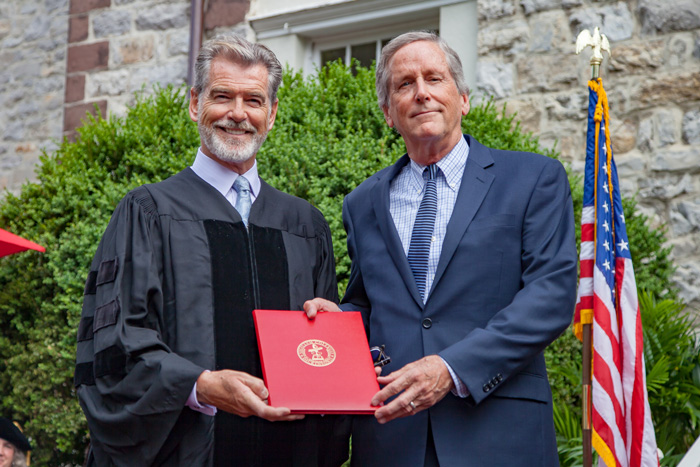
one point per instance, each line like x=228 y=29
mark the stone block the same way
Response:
x=630 y=165
x=663 y=16
x=37 y=28
x=10 y=161
x=527 y=112
x=552 y=32
x=52 y=5
x=12 y=41
x=533 y=6
x=178 y=44
x=87 y=57
x=108 y=83
x=676 y=88
x=665 y=126
x=696 y=48
x=691 y=127
x=637 y=57
x=571 y=3
x=14 y=131
x=690 y=210
x=78 y=27
x=73 y=115
x=615 y=21
x=83 y=6
x=624 y=136
x=510 y=37
x=494 y=79
x=645 y=134
x=174 y=72
x=687 y=279
x=683 y=247
x=492 y=9
x=541 y=73
x=567 y=106
x=674 y=160
x=5 y=27
x=75 y=88
x=162 y=17
x=133 y=50
x=110 y=23
x=223 y=13
x=665 y=187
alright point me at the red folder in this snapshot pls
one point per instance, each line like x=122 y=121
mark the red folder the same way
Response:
x=319 y=366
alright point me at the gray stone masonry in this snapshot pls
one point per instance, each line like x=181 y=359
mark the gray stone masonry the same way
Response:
x=527 y=60
x=33 y=37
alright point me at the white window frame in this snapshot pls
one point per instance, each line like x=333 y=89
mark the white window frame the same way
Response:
x=299 y=34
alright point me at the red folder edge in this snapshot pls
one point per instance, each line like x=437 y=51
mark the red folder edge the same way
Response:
x=345 y=386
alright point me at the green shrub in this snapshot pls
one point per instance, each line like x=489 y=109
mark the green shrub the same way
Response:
x=329 y=136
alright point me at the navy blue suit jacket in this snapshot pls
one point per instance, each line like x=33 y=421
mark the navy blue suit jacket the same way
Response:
x=504 y=289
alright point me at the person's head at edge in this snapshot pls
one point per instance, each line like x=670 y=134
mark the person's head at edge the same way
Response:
x=234 y=99
x=422 y=91
x=13 y=445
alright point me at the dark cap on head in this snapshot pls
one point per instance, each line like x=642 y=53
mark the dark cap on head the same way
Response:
x=9 y=432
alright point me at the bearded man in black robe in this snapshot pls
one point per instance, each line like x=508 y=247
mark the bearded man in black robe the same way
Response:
x=168 y=371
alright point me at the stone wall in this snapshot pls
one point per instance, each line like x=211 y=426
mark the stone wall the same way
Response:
x=64 y=58
x=527 y=59
x=119 y=47
x=33 y=37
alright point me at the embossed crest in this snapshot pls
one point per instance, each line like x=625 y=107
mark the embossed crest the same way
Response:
x=316 y=352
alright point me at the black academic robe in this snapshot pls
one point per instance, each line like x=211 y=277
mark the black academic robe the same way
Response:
x=170 y=293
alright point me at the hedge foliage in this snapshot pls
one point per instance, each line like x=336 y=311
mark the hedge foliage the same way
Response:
x=329 y=136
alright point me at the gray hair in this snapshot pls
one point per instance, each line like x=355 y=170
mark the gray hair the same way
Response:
x=19 y=459
x=238 y=50
x=389 y=50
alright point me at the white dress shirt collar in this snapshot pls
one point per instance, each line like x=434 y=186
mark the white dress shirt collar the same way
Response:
x=222 y=178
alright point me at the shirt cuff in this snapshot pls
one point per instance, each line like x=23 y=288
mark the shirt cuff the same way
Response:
x=460 y=389
x=194 y=404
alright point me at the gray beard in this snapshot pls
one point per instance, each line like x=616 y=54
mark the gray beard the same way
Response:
x=231 y=151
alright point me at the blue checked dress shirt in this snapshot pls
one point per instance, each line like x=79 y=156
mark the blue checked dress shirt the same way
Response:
x=405 y=194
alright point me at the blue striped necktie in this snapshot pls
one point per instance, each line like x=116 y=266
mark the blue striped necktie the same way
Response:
x=242 y=187
x=422 y=235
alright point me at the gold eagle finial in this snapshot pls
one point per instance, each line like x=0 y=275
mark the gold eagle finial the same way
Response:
x=598 y=42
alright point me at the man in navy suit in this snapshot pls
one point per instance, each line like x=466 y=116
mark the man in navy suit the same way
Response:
x=467 y=329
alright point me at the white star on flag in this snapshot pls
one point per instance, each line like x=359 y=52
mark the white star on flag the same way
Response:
x=606 y=245
x=605 y=187
x=606 y=226
x=622 y=245
x=606 y=265
x=606 y=207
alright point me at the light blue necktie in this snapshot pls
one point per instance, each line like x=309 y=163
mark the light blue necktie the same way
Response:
x=421 y=237
x=242 y=187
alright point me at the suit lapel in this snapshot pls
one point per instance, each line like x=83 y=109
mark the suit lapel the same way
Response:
x=476 y=182
x=380 y=203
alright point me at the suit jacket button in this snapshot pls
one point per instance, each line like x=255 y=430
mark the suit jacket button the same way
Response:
x=486 y=388
x=491 y=385
x=427 y=323
x=499 y=377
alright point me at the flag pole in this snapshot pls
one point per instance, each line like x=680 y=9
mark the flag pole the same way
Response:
x=599 y=43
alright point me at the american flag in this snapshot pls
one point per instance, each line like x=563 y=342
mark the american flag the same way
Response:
x=622 y=430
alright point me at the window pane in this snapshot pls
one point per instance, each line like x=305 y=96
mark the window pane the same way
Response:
x=332 y=55
x=364 y=53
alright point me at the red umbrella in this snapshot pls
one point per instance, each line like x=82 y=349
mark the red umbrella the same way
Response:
x=11 y=243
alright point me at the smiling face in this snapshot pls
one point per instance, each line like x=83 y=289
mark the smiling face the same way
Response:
x=233 y=113
x=7 y=453
x=425 y=106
